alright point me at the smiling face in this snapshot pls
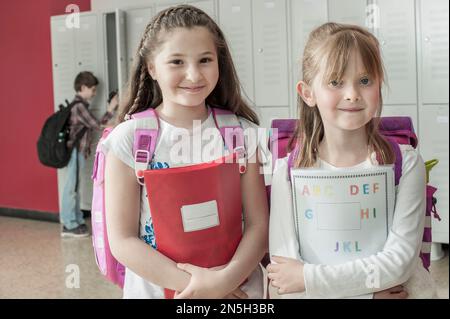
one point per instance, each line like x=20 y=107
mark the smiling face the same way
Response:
x=348 y=103
x=186 y=66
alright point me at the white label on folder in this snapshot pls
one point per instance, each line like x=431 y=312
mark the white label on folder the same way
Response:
x=200 y=216
x=338 y=216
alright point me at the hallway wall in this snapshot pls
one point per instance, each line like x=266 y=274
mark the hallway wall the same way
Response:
x=26 y=100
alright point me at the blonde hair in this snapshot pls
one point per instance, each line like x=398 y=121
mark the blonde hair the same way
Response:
x=333 y=44
x=144 y=93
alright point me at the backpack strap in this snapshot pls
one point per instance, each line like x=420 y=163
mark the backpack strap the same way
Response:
x=233 y=135
x=145 y=137
x=292 y=156
x=398 y=159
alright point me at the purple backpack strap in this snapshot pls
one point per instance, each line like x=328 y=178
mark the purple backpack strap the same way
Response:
x=281 y=131
x=398 y=159
x=145 y=136
x=232 y=134
x=292 y=156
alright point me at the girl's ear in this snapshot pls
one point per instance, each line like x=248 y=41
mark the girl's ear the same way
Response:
x=306 y=93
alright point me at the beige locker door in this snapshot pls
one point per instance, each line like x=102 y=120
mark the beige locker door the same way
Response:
x=270 y=53
x=235 y=22
x=347 y=11
x=136 y=22
x=398 y=43
x=306 y=15
x=434 y=45
x=434 y=143
x=86 y=40
x=63 y=60
x=89 y=40
x=122 y=67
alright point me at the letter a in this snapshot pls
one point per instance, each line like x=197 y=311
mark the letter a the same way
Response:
x=73 y=19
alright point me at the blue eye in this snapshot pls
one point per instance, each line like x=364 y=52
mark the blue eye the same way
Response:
x=335 y=83
x=365 y=81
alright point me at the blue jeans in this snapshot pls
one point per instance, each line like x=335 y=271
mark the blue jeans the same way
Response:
x=71 y=216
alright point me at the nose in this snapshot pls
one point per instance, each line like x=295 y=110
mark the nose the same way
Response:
x=193 y=74
x=352 y=94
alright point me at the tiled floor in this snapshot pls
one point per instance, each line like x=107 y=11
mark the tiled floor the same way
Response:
x=36 y=262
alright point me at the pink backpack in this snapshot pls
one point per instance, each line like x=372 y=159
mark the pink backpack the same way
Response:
x=397 y=130
x=145 y=140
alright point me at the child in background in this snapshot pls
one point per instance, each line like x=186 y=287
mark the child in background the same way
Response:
x=183 y=68
x=340 y=100
x=82 y=122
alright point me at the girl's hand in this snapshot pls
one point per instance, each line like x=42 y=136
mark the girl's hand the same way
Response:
x=286 y=275
x=205 y=283
x=397 y=292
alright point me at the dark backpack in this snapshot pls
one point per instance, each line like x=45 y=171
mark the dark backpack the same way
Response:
x=51 y=145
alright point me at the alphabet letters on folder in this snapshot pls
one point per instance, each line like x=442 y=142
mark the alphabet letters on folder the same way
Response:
x=342 y=215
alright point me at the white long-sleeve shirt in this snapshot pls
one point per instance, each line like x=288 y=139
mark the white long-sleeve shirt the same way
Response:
x=398 y=262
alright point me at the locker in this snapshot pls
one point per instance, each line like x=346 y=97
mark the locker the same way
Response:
x=116 y=66
x=122 y=65
x=434 y=130
x=347 y=11
x=75 y=50
x=270 y=53
x=237 y=27
x=63 y=60
x=136 y=21
x=434 y=45
x=306 y=15
x=86 y=45
x=398 y=46
x=111 y=54
x=402 y=110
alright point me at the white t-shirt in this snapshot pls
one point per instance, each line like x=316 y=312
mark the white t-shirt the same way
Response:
x=168 y=153
x=398 y=262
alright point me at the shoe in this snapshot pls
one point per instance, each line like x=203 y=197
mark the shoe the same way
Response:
x=78 y=232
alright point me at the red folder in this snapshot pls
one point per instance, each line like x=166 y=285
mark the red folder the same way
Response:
x=196 y=212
